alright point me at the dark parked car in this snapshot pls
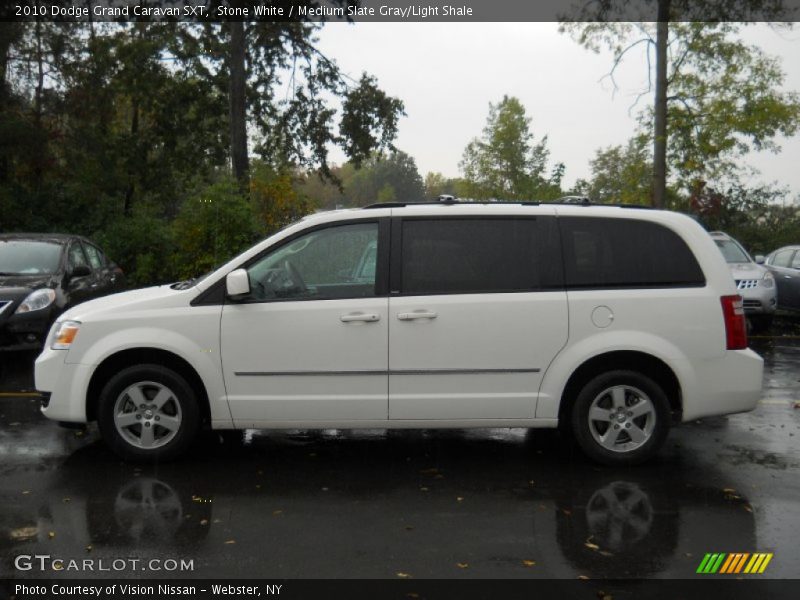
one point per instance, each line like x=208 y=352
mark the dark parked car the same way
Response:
x=42 y=275
x=785 y=266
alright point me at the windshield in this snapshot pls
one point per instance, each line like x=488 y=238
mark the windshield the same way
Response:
x=29 y=257
x=732 y=251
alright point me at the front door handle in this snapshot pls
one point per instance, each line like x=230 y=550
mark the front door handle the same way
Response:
x=417 y=314
x=365 y=317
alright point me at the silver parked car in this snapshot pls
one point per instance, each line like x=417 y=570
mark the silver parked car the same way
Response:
x=754 y=282
x=784 y=264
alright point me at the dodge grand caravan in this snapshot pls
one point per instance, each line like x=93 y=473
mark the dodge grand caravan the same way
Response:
x=612 y=323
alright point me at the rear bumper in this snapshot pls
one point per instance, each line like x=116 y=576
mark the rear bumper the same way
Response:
x=731 y=384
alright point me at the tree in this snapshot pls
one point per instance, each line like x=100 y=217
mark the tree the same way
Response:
x=506 y=162
x=621 y=174
x=715 y=97
x=281 y=87
x=385 y=179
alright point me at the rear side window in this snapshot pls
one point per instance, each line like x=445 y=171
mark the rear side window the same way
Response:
x=452 y=255
x=625 y=253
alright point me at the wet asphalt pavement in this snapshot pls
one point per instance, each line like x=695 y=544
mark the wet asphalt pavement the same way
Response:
x=373 y=504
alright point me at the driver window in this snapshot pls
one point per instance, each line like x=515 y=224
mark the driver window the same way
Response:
x=331 y=263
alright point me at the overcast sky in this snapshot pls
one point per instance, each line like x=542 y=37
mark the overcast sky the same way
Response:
x=448 y=73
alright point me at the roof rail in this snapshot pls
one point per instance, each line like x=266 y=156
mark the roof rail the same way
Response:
x=451 y=200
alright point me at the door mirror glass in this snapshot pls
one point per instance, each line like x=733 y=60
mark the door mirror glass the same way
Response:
x=237 y=283
x=760 y=259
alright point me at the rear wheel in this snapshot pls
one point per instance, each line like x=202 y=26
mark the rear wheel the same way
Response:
x=620 y=418
x=148 y=413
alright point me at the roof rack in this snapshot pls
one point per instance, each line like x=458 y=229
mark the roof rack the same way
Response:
x=448 y=200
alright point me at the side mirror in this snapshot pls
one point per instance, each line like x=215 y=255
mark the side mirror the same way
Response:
x=237 y=283
x=760 y=259
x=80 y=271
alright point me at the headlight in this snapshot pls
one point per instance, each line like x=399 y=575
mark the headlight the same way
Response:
x=65 y=334
x=36 y=300
x=769 y=280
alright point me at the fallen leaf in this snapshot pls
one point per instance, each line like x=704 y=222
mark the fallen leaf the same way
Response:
x=728 y=490
x=231 y=542
x=459 y=498
x=204 y=522
x=747 y=507
x=217 y=521
x=462 y=565
x=605 y=553
x=403 y=575
x=423 y=489
x=51 y=534
x=529 y=563
x=25 y=492
x=78 y=433
x=24 y=533
x=89 y=548
x=566 y=512
x=277 y=512
x=592 y=546
x=582 y=577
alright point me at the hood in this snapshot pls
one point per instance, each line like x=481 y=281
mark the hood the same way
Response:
x=747 y=270
x=162 y=296
x=28 y=282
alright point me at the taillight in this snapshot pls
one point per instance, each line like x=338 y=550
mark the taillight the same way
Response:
x=735 y=326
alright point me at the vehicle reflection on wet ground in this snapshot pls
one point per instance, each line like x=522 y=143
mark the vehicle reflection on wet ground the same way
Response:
x=373 y=503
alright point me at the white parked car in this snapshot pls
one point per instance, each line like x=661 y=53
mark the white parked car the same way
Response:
x=614 y=323
x=754 y=282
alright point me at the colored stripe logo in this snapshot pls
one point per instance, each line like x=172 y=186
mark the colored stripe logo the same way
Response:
x=734 y=563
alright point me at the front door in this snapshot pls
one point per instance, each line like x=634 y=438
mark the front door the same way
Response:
x=475 y=316
x=310 y=342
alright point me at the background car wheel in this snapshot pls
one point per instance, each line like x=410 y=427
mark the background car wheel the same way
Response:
x=620 y=418
x=148 y=413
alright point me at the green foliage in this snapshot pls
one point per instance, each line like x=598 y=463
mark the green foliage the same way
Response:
x=506 y=162
x=381 y=178
x=762 y=218
x=214 y=224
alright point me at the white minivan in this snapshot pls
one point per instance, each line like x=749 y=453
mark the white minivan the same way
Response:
x=613 y=323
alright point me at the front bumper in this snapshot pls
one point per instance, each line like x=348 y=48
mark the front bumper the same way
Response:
x=65 y=385
x=25 y=331
x=758 y=300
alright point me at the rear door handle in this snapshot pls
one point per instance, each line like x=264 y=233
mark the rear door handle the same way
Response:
x=417 y=314
x=366 y=317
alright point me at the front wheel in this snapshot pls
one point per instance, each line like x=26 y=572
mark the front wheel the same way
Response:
x=148 y=413
x=621 y=418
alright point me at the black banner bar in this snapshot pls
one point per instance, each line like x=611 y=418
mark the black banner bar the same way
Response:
x=415 y=589
x=395 y=10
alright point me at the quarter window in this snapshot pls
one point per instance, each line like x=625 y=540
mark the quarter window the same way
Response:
x=331 y=263
x=451 y=255
x=611 y=253
x=94 y=256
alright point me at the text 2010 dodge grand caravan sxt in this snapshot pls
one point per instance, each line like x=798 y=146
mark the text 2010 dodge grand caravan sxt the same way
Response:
x=613 y=322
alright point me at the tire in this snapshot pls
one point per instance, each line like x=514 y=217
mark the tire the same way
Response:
x=622 y=434
x=148 y=413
